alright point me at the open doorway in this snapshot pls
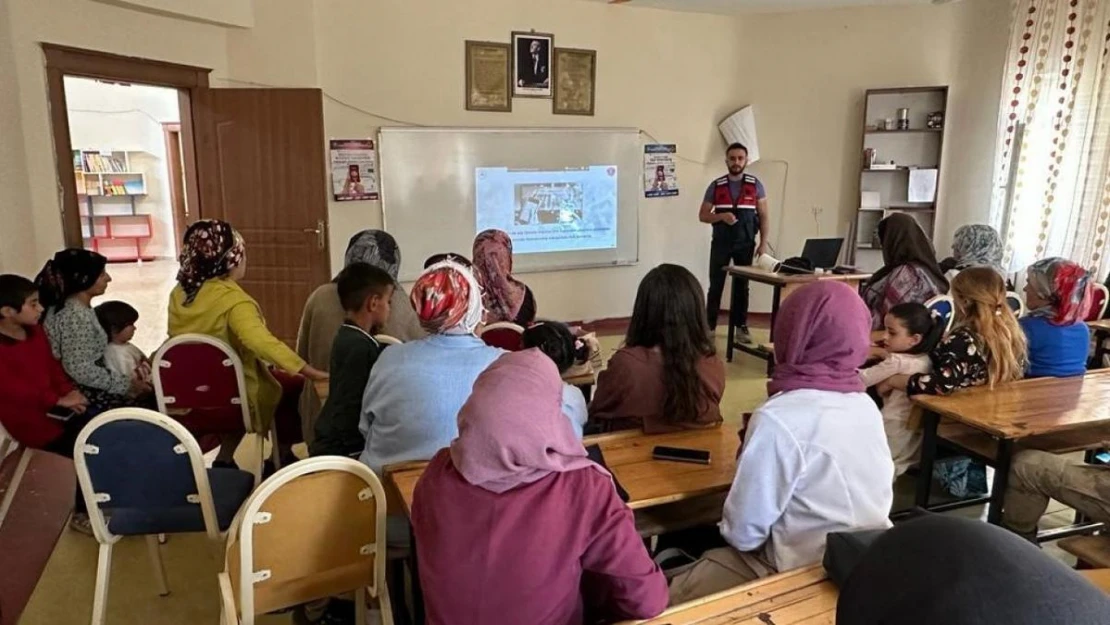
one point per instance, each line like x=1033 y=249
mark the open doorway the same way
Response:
x=127 y=168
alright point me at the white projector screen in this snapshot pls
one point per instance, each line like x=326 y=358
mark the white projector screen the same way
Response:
x=569 y=197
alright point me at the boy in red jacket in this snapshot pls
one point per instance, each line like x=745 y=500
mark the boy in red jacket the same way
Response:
x=33 y=385
x=32 y=381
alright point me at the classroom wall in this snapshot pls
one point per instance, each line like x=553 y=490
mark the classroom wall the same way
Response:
x=17 y=245
x=120 y=117
x=807 y=77
x=672 y=74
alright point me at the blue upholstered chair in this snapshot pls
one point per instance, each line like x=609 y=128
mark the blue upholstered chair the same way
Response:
x=142 y=474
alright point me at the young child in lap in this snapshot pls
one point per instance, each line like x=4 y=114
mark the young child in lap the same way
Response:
x=986 y=347
x=911 y=333
x=121 y=356
x=365 y=292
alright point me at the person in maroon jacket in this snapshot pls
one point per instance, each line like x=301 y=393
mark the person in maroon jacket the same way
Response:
x=33 y=385
x=515 y=524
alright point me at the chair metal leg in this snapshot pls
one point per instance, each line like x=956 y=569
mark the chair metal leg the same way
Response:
x=17 y=477
x=156 y=562
x=275 y=450
x=103 y=578
x=385 y=603
x=360 y=606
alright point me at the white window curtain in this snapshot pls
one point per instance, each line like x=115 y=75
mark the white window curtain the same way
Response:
x=1052 y=196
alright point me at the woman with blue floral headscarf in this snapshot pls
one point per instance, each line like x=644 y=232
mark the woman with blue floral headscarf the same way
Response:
x=1058 y=293
x=975 y=245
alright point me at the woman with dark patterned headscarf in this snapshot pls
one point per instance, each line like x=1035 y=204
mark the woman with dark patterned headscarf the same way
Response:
x=323 y=314
x=910 y=272
x=208 y=300
x=505 y=297
x=67 y=284
x=1058 y=293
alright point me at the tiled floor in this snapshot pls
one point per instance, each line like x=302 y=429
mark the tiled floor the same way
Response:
x=64 y=595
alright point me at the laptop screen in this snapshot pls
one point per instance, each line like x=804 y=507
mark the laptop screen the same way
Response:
x=823 y=253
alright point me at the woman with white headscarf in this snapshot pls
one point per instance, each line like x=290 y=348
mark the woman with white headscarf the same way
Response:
x=415 y=390
x=323 y=314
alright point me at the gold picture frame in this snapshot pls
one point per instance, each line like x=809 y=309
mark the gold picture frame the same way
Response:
x=489 y=77
x=575 y=82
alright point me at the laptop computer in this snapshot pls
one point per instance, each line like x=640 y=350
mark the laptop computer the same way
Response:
x=822 y=253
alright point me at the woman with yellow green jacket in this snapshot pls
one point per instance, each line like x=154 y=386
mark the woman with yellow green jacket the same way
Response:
x=208 y=300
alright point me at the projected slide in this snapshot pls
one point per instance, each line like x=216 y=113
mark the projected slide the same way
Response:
x=549 y=211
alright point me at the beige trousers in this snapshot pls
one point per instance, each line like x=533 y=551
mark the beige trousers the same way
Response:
x=718 y=569
x=1037 y=476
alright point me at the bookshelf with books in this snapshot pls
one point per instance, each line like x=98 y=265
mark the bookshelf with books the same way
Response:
x=902 y=142
x=108 y=186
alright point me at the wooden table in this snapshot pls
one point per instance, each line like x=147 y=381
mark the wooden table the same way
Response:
x=1055 y=414
x=783 y=285
x=628 y=454
x=799 y=596
x=584 y=382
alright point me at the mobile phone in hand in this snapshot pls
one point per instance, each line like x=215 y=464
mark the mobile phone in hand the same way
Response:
x=61 y=413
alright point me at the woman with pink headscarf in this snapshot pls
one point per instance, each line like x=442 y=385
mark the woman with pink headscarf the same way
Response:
x=505 y=297
x=815 y=458
x=514 y=522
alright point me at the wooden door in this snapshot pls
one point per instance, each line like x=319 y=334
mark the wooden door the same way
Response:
x=260 y=160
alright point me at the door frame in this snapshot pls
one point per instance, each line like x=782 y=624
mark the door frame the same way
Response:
x=179 y=207
x=62 y=61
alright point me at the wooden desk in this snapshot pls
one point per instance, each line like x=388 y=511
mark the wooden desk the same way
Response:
x=584 y=382
x=1098 y=577
x=1100 y=329
x=648 y=482
x=799 y=596
x=1039 y=411
x=783 y=285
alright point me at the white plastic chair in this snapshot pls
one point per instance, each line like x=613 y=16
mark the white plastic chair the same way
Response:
x=168 y=404
x=1016 y=303
x=147 y=503
x=22 y=457
x=385 y=339
x=944 y=306
x=301 y=537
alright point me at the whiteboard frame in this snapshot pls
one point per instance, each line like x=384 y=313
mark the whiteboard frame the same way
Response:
x=383 y=187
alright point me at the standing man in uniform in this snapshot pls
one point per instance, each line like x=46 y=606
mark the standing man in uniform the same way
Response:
x=736 y=206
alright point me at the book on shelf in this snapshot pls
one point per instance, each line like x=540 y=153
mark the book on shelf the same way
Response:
x=100 y=164
x=133 y=187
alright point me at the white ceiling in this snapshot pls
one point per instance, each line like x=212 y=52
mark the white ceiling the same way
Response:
x=743 y=6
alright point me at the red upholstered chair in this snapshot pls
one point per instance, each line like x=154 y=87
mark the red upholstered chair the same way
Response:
x=503 y=334
x=1100 y=300
x=198 y=381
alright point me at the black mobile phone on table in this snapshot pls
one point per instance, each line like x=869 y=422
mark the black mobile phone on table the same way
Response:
x=681 y=454
x=61 y=413
x=594 y=452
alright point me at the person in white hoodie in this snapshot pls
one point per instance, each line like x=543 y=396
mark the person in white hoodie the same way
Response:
x=815 y=458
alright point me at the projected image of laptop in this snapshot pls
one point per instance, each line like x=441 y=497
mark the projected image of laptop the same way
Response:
x=822 y=253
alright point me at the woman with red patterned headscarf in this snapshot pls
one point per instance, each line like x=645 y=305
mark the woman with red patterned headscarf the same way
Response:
x=1058 y=293
x=415 y=391
x=505 y=297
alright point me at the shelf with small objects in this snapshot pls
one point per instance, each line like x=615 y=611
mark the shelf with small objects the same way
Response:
x=900 y=170
x=107 y=189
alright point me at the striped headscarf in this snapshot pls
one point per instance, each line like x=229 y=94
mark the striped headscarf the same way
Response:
x=1067 y=287
x=493 y=267
x=212 y=248
x=377 y=248
x=447 y=299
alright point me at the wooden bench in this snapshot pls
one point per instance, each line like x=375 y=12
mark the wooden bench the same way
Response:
x=1092 y=551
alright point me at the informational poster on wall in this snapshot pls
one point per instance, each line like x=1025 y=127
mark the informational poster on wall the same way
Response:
x=660 y=177
x=354 y=170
